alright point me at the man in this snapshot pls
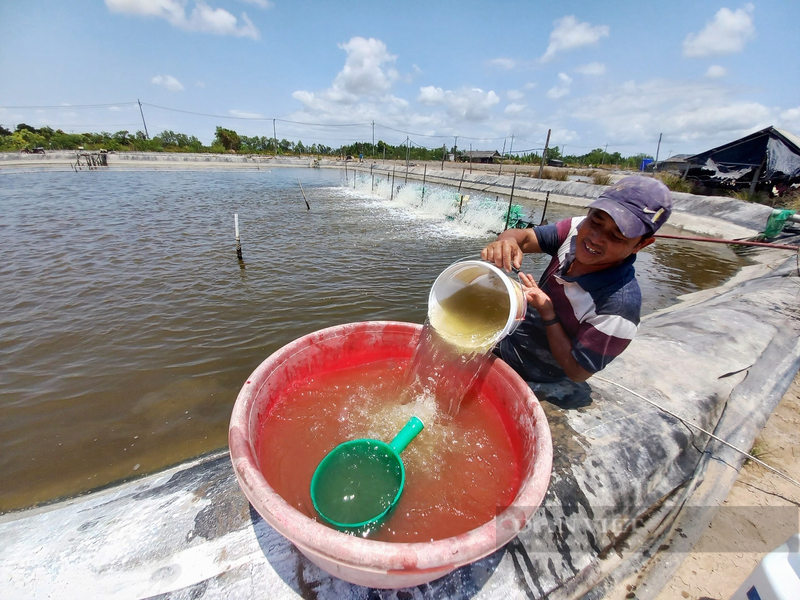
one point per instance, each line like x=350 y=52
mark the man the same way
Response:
x=585 y=310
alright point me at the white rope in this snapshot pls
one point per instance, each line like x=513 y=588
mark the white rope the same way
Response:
x=708 y=433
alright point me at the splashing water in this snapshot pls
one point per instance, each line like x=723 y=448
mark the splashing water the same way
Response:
x=473 y=214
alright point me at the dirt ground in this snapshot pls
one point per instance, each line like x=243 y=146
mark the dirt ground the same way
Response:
x=762 y=507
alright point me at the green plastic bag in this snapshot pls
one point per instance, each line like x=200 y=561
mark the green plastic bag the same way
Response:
x=776 y=222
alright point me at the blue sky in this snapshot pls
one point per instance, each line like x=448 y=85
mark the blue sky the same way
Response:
x=621 y=73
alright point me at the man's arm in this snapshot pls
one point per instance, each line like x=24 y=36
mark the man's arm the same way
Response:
x=560 y=343
x=507 y=250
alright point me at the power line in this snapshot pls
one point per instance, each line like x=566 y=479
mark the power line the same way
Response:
x=71 y=106
x=199 y=114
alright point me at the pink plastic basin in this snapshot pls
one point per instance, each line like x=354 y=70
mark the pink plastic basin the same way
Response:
x=362 y=561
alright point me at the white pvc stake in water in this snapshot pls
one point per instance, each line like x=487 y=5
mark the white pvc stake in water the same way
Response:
x=238 y=243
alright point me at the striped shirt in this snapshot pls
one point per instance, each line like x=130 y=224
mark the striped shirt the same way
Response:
x=599 y=311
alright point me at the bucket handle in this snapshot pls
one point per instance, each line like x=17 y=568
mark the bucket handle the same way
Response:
x=404 y=437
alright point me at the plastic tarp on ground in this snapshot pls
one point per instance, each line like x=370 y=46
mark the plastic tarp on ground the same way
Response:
x=771 y=156
x=629 y=481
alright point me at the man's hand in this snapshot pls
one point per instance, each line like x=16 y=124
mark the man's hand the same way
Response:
x=536 y=297
x=506 y=252
x=503 y=253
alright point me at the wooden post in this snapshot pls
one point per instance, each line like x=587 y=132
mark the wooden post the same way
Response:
x=392 y=196
x=757 y=175
x=544 y=153
x=444 y=151
x=371 y=174
x=346 y=180
x=408 y=155
x=462 y=179
x=308 y=207
x=511 y=199
x=544 y=210
x=424 y=175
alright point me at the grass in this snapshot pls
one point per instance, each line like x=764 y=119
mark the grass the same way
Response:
x=675 y=183
x=759 y=452
x=600 y=178
x=555 y=174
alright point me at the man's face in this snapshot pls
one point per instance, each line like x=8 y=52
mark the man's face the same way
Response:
x=599 y=243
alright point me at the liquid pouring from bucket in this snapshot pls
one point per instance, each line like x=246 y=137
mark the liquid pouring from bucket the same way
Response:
x=358 y=483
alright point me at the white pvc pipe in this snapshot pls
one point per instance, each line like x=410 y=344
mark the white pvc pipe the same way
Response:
x=236 y=224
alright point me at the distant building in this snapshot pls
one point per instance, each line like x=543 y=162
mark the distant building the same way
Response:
x=675 y=164
x=762 y=160
x=480 y=156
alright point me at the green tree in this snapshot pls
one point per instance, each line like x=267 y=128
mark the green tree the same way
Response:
x=227 y=138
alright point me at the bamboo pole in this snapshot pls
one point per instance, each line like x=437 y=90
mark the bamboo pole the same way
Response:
x=511 y=199
x=308 y=206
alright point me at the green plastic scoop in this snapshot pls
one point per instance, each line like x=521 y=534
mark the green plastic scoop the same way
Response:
x=359 y=482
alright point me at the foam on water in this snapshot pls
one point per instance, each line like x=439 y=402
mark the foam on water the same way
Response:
x=438 y=208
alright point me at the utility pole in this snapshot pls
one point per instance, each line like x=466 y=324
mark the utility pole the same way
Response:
x=544 y=153
x=658 y=148
x=274 y=137
x=502 y=156
x=470 y=158
x=455 y=147
x=603 y=158
x=146 y=135
x=373 y=139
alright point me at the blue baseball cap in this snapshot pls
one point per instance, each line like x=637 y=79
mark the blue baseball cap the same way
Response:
x=639 y=205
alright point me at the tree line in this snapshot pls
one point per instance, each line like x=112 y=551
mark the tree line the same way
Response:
x=25 y=137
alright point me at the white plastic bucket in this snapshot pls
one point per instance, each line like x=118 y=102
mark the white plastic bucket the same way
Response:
x=475 y=273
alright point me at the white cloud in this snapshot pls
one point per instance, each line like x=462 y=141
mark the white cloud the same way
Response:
x=202 y=18
x=245 y=115
x=431 y=95
x=167 y=81
x=470 y=104
x=515 y=108
x=200 y=84
x=114 y=108
x=367 y=73
x=684 y=111
x=716 y=71
x=726 y=34
x=364 y=73
x=514 y=95
x=506 y=64
x=594 y=68
x=260 y=3
x=569 y=34
x=790 y=119
x=562 y=89
x=529 y=86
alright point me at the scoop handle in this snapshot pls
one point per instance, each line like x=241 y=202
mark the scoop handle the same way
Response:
x=409 y=431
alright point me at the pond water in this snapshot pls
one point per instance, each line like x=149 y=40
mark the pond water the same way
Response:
x=128 y=325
